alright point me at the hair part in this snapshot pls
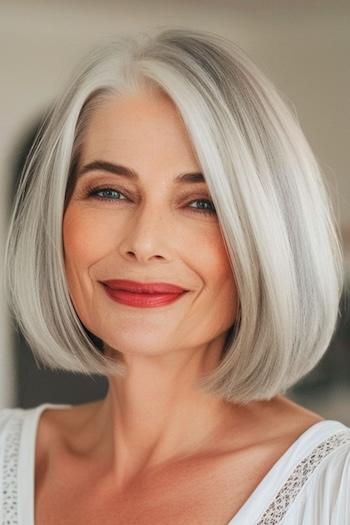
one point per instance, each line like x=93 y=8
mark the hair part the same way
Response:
x=274 y=211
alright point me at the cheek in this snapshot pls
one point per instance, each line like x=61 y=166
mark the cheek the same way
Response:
x=221 y=276
x=86 y=236
x=216 y=260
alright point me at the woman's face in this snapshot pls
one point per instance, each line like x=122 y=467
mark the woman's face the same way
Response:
x=147 y=228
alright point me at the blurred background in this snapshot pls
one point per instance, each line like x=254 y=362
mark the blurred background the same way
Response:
x=302 y=46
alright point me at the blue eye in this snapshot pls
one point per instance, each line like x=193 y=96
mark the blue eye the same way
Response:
x=210 y=210
x=93 y=192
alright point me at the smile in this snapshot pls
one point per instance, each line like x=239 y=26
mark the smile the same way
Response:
x=142 y=300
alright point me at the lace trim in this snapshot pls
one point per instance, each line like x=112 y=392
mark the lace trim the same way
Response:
x=10 y=469
x=289 y=491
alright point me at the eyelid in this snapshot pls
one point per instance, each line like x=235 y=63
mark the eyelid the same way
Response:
x=103 y=186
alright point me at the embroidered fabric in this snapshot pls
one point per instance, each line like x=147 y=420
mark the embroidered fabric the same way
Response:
x=272 y=516
x=289 y=491
x=9 y=472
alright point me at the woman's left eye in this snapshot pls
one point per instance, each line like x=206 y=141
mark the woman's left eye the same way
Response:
x=94 y=192
x=210 y=210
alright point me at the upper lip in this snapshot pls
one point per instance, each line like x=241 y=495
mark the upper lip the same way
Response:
x=143 y=287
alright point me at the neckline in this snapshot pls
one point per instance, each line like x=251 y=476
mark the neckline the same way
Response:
x=248 y=512
x=258 y=501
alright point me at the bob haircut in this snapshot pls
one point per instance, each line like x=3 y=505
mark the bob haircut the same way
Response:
x=273 y=208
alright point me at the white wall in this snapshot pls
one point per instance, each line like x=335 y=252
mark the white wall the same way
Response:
x=302 y=45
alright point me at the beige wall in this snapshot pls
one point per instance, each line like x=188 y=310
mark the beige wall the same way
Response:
x=302 y=45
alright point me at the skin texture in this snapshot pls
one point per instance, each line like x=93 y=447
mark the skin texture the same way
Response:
x=154 y=438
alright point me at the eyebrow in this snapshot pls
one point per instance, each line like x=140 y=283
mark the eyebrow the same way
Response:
x=124 y=171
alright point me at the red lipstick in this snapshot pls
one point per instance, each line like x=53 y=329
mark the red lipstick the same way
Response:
x=142 y=294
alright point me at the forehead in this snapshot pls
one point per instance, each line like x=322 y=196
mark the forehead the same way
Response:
x=144 y=119
x=143 y=130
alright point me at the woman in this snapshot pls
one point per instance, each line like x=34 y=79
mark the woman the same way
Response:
x=172 y=232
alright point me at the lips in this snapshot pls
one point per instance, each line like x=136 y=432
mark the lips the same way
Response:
x=142 y=287
x=142 y=295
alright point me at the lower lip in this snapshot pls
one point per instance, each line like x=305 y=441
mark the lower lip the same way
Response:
x=143 y=300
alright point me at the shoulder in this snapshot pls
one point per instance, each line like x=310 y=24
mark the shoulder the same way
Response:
x=334 y=472
x=317 y=488
x=12 y=420
x=326 y=494
x=332 y=456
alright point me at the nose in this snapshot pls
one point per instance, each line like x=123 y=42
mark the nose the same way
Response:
x=146 y=236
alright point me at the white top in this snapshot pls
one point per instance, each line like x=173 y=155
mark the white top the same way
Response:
x=308 y=485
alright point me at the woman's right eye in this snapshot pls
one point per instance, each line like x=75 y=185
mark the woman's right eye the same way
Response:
x=110 y=193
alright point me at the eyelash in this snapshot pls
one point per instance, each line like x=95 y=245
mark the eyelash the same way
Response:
x=91 y=192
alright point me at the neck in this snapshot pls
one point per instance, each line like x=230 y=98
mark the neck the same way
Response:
x=156 y=415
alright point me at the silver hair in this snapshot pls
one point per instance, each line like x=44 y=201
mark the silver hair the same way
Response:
x=274 y=210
